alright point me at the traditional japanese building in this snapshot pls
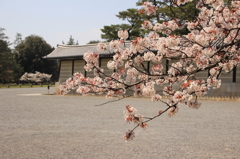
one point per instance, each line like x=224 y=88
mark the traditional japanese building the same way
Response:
x=70 y=59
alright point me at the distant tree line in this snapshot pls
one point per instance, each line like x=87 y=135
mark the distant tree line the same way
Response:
x=25 y=56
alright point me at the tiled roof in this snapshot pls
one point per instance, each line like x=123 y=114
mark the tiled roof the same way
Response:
x=76 y=51
x=72 y=51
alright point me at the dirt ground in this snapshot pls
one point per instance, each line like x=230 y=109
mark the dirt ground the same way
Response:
x=37 y=126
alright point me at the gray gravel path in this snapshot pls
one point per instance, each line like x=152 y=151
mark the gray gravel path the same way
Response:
x=36 y=126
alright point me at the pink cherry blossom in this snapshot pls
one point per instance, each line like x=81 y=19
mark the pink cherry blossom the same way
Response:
x=112 y=65
x=148 y=91
x=115 y=44
x=129 y=135
x=102 y=47
x=149 y=8
x=194 y=104
x=123 y=34
x=156 y=97
x=147 y=25
x=172 y=111
x=149 y=56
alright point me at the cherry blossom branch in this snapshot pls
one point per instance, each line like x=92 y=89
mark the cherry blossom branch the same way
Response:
x=114 y=100
x=212 y=44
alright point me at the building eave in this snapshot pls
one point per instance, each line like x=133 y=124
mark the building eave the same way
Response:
x=68 y=52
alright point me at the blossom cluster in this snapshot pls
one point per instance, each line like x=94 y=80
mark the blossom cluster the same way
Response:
x=131 y=116
x=149 y=8
x=83 y=85
x=35 y=77
x=92 y=60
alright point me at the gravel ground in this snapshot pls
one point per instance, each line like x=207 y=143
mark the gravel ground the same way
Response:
x=37 y=126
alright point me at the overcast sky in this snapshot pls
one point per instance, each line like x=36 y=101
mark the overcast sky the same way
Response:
x=56 y=20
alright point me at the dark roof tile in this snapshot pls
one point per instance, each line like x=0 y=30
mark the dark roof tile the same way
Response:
x=76 y=51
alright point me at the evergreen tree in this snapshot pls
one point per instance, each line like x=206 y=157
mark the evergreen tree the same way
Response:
x=30 y=52
x=135 y=18
x=71 y=41
x=9 y=69
x=18 y=39
x=93 y=42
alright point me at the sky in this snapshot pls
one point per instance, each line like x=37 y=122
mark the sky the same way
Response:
x=56 y=20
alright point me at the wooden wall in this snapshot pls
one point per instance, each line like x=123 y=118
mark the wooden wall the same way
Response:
x=68 y=68
x=71 y=66
x=65 y=71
